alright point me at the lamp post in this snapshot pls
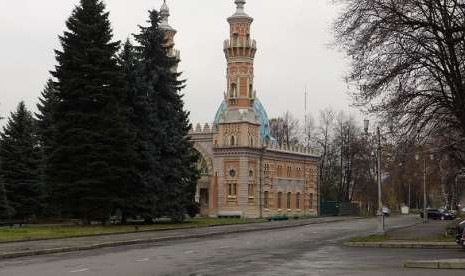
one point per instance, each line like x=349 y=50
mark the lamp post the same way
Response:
x=417 y=157
x=262 y=154
x=378 y=157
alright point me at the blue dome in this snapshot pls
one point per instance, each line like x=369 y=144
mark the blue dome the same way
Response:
x=265 y=133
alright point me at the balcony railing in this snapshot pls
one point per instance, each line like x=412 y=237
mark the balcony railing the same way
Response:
x=240 y=43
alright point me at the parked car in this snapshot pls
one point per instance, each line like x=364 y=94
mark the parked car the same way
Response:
x=386 y=212
x=441 y=214
x=460 y=237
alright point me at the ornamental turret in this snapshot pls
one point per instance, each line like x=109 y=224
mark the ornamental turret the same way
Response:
x=170 y=32
x=239 y=124
x=240 y=51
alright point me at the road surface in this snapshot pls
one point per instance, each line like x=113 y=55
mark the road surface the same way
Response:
x=307 y=250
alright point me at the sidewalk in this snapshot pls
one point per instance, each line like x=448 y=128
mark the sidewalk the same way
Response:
x=419 y=231
x=437 y=264
x=31 y=248
x=420 y=235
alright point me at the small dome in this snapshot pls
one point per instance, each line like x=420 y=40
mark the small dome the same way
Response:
x=240 y=11
x=164 y=8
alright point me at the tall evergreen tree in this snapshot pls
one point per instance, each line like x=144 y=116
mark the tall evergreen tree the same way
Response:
x=173 y=175
x=46 y=134
x=20 y=159
x=45 y=117
x=87 y=169
x=6 y=212
x=138 y=201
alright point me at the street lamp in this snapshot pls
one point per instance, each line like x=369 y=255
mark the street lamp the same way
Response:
x=366 y=124
x=417 y=157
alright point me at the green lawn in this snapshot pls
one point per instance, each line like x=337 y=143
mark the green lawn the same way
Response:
x=34 y=232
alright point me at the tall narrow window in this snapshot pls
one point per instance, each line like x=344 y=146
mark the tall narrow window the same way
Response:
x=280 y=199
x=235 y=38
x=232 y=190
x=297 y=201
x=250 y=91
x=233 y=141
x=266 y=200
x=233 y=92
x=251 y=191
x=310 y=206
x=299 y=172
x=288 y=200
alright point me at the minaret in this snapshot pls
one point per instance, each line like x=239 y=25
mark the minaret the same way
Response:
x=239 y=125
x=169 y=32
x=240 y=52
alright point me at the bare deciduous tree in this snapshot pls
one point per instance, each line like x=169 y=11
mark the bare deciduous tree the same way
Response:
x=285 y=129
x=408 y=62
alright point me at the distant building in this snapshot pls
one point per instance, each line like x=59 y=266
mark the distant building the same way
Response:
x=244 y=172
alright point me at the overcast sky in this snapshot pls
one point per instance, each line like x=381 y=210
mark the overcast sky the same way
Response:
x=293 y=38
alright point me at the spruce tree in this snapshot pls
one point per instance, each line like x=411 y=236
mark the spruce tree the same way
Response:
x=6 y=212
x=139 y=201
x=87 y=168
x=20 y=159
x=175 y=176
x=45 y=117
x=46 y=135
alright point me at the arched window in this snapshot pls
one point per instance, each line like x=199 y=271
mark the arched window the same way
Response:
x=232 y=190
x=250 y=91
x=235 y=38
x=280 y=200
x=266 y=200
x=297 y=201
x=233 y=92
x=288 y=200
x=251 y=141
x=251 y=191
x=233 y=141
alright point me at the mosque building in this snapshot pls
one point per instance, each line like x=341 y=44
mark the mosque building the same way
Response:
x=244 y=172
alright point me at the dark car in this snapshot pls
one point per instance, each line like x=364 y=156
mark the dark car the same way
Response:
x=441 y=214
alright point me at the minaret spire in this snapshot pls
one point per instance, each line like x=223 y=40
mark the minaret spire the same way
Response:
x=170 y=32
x=240 y=51
x=164 y=15
x=240 y=6
x=240 y=11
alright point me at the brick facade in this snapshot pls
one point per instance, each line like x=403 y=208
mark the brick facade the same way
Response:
x=246 y=174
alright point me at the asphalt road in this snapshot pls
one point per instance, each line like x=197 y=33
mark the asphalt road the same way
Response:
x=307 y=250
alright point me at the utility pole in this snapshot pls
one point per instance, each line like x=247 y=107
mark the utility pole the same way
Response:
x=425 y=215
x=262 y=172
x=380 y=203
x=409 y=195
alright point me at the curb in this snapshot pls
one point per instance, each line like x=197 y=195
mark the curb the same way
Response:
x=436 y=264
x=132 y=232
x=406 y=245
x=12 y=255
